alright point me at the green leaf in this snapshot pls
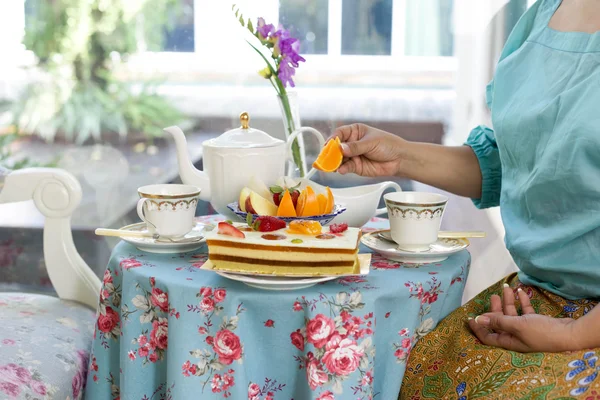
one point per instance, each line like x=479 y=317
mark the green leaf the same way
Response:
x=436 y=386
x=250 y=26
x=539 y=393
x=242 y=21
x=521 y=360
x=249 y=219
x=264 y=58
x=276 y=189
x=237 y=13
x=490 y=385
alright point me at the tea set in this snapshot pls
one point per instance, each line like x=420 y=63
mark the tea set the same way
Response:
x=167 y=211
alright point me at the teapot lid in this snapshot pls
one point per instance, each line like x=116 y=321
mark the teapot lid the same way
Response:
x=244 y=137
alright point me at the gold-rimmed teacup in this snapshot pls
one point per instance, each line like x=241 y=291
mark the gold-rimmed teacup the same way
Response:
x=168 y=209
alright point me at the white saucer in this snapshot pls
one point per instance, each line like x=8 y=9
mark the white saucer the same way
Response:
x=270 y=282
x=152 y=246
x=439 y=251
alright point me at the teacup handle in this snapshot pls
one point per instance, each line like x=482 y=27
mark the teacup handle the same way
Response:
x=396 y=188
x=140 y=212
x=295 y=134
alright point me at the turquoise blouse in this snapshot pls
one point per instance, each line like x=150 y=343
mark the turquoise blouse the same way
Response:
x=541 y=161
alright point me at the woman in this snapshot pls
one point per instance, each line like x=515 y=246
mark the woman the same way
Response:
x=541 y=165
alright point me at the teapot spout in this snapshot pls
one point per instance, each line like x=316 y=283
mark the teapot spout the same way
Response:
x=189 y=174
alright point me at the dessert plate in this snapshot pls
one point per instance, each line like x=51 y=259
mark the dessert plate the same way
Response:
x=439 y=251
x=152 y=246
x=270 y=282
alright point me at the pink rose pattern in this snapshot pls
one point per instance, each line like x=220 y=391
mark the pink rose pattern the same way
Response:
x=266 y=391
x=223 y=345
x=337 y=347
x=154 y=310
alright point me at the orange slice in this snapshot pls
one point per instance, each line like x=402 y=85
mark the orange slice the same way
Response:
x=311 y=204
x=330 y=201
x=300 y=203
x=303 y=227
x=322 y=199
x=331 y=156
x=286 y=206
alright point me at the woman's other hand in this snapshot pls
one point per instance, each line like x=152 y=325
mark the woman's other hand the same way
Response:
x=369 y=151
x=529 y=332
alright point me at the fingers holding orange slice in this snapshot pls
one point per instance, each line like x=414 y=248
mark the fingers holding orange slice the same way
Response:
x=331 y=156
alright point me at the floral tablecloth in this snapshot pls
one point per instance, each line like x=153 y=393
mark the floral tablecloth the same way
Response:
x=168 y=330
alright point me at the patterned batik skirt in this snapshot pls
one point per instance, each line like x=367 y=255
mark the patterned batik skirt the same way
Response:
x=450 y=363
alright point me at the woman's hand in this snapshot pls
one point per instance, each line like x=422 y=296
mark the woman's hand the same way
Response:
x=529 y=332
x=369 y=151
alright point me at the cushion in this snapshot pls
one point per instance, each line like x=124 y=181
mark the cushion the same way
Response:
x=44 y=347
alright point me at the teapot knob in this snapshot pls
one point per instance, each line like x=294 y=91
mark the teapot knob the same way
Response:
x=245 y=120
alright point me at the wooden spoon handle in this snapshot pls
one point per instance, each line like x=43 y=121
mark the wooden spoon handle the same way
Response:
x=120 y=233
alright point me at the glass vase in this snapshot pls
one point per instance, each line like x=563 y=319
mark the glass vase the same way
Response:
x=290 y=112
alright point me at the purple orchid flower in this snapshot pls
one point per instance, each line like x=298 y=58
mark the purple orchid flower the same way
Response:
x=286 y=72
x=264 y=29
x=289 y=48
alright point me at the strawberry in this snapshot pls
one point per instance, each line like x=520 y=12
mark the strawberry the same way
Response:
x=338 y=228
x=230 y=230
x=266 y=223
x=278 y=192
x=249 y=208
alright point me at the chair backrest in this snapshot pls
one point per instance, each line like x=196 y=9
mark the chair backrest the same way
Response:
x=56 y=193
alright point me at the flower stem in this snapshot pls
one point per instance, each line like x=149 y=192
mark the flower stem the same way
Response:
x=285 y=102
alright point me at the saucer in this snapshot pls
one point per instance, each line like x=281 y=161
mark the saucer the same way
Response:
x=152 y=246
x=438 y=251
x=270 y=282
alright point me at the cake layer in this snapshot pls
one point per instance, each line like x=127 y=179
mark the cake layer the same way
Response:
x=282 y=269
x=286 y=254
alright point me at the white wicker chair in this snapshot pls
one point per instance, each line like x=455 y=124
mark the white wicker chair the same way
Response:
x=45 y=341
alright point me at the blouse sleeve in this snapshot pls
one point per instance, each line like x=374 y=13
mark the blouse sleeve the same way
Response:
x=483 y=143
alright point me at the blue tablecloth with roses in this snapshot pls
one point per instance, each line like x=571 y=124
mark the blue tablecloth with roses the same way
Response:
x=168 y=330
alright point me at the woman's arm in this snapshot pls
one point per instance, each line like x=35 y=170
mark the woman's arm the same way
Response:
x=587 y=329
x=454 y=169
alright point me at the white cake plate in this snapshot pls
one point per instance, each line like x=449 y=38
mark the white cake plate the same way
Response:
x=270 y=282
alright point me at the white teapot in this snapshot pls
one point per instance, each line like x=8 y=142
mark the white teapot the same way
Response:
x=231 y=159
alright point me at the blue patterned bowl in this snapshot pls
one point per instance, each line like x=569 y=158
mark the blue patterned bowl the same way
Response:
x=322 y=219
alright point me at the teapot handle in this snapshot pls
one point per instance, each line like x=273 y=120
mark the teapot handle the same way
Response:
x=295 y=134
x=387 y=185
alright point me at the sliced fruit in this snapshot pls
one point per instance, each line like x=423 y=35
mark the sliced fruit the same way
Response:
x=300 y=203
x=286 y=206
x=259 y=187
x=278 y=190
x=322 y=199
x=295 y=195
x=311 y=204
x=330 y=201
x=227 y=229
x=244 y=194
x=260 y=205
x=248 y=206
x=338 y=228
x=304 y=227
x=265 y=223
x=331 y=156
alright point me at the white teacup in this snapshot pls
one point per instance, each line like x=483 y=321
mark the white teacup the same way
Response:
x=415 y=218
x=168 y=209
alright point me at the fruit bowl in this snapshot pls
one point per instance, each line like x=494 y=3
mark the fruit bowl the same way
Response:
x=323 y=219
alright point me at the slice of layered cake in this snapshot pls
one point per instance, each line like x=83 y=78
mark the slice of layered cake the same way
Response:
x=269 y=248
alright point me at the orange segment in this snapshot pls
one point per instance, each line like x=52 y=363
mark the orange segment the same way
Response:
x=302 y=227
x=286 y=206
x=322 y=199
x=311 y=204
x=330 y=201
x=331 y=156
x=300 y=203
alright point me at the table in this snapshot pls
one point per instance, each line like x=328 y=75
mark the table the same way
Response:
x=166 y=329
